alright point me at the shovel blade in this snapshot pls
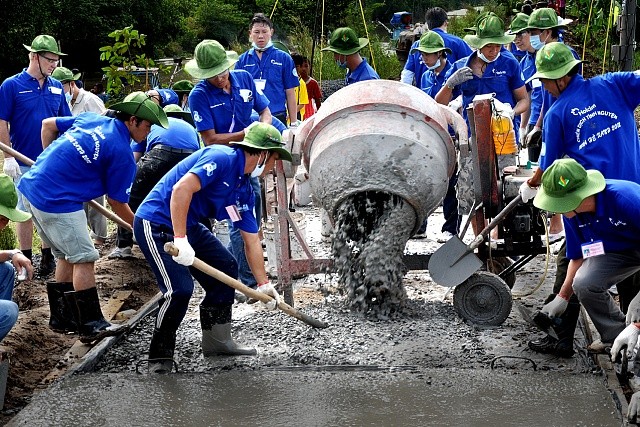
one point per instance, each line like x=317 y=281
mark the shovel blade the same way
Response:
x=534 y=320
x=453 y=263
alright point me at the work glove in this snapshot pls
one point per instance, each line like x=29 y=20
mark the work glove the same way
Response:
x=459 y=77
x=503 y=109
x=456 y=104
x=634 y=408
x=295 y=124
x=526 y=192
x=556 y=307
x=633 y=313
x=11 y=167
x=522 y=135
x=186 y=254
x=533 y=138
x=628 y=337
x=268 y=289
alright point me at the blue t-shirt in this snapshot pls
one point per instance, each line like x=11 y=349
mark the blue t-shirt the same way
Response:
x=592 y=122
x=362 y=72
x=501 y=77
x=431 y=82
x=459 y=49
x=220 y=169
x=24 y=105
x=277 y=68
x=615 y=221
x=534 y=87
x=180 y=134
x=275 y=122
x=213 y=108
x=90 y=158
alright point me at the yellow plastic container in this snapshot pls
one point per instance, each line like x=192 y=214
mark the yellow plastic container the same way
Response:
x=504 y=136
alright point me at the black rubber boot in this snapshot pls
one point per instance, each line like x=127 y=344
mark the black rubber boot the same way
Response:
x=91 y=323
x=62 y=317
x=216 y=333
x=161 y=351
x=47 y=263
x=565 y=330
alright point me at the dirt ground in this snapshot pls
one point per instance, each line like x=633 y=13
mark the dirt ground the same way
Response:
x=36 y=350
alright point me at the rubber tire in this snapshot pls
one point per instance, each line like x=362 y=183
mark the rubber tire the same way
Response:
x=497 y=264
x=484 y=299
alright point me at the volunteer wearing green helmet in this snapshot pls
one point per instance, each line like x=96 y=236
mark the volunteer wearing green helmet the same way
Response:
x=25 y=100
x=346 y=46
x=211 y=183
x=85 y=157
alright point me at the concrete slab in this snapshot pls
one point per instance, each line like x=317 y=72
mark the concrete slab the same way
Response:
x=323 y=396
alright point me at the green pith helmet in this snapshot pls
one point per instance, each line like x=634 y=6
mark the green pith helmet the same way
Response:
x=139 y=104
x=210 y=59
x=264 y=136
x=64 y=75
x=489 y=30
x=430 y=42
x=519 y=23
x=44 y=43
x=554 y=61
x=345 y=41
x=544 y=19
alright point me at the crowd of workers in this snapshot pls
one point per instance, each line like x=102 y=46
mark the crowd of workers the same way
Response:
x=199 y=149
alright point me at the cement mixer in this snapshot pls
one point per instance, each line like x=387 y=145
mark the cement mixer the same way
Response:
x=379 y=157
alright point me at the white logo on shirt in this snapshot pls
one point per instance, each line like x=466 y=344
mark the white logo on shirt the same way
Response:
x=616 y=223
x=196 y=117
x=274 y=62
x=209 y=168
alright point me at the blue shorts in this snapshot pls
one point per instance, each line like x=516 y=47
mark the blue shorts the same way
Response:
x=66 y=233
x=21 y=206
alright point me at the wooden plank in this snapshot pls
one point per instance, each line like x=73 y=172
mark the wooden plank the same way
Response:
x=79 y=349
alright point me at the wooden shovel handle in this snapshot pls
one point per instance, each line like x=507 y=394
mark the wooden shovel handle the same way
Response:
x=97 y=206
x=170 y=248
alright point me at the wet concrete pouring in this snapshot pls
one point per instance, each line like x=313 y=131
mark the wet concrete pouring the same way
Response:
x=415 y=364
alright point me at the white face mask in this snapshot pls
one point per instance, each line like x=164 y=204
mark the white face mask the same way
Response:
x=436 y=65
x=67 y=96
x=257 y=171
x=536 y=43
x=267 y=46
x=484 y=58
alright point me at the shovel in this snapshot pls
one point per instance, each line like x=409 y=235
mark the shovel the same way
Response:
x=170 y=248
x=454 y=262
x=95 y=205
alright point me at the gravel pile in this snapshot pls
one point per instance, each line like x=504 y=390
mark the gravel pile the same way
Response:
x=328 y=87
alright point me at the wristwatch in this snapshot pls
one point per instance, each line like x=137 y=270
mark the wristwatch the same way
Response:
x=14 y=253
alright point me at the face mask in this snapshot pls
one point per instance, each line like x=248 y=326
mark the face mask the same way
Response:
x=342 y=65
x=484 y=58
x=258 y=169
x=536 y=43
x=268 y=45
x=436 y=65
x=68 y=97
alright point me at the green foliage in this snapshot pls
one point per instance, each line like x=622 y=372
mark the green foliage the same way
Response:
x=8 y=239
x=123 y=57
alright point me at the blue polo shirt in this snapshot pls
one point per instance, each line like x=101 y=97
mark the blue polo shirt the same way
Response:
x=91 y=157
x=592 y=122
x=220 y=169
x=431 y=82
x=362 y=72
x=213 y=108
x=279 y=71
x=501 y=77
x=24 y=105
x=180 y=134
x=275 y=122
x=534 y=87
x=615 y=221
x=459 y=49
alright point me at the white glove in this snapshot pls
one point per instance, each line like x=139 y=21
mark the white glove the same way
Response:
x=11 y=167
x=295 y=124
x=268 y=289
x=533 y=138
x=186 y=254
x=456 y=104
x=459 y=77
x=522 y=134
x=526 y=192
x=633 y=312
x=503 y=109
x=556 y=307
x=634 y=407
x=628 y=337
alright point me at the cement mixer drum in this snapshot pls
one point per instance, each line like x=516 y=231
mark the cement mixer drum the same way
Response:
x=384 y=136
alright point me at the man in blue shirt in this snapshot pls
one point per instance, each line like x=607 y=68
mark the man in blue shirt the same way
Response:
x=273 y=70
x=25 y=100
x=436 y=20
x=222 y=104
x=346 y=47
x=602 y=235
x=155 y=156
x=85 y=156
x=211 y=183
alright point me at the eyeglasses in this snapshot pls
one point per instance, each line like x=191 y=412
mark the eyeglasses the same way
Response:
x=49 y=60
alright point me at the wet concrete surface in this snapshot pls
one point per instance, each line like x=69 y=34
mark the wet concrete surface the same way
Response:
x=325 y=397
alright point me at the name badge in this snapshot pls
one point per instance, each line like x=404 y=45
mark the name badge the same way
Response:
x=260 y=85
x=55 y=90
x=234 y=213
x=592 y=249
